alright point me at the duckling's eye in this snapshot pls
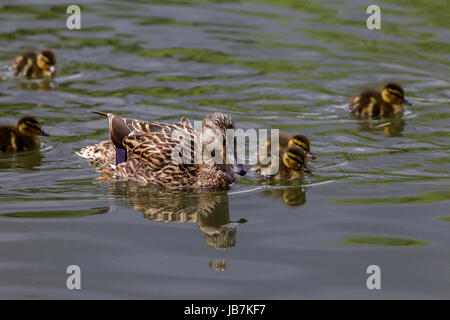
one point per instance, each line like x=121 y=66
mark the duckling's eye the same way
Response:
x=32 y=126
x=213 y=153
x=301 y=144
x=395 y=93
x=295 y=158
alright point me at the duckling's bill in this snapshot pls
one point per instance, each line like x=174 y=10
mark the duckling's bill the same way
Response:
x=43 y=133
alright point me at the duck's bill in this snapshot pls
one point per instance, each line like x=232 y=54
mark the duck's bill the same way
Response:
x=306 y=169
x=310 y=155
x=43 y=133
x=240 y=169
x=406 y=102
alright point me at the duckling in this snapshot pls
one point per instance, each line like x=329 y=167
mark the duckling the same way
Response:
x=22 y=137
x=35 y=64
x=291 y=166
x=296 y=140
x=285 y=141
x=143 y=152
x=374 y=103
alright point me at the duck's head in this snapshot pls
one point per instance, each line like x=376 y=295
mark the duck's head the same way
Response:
x=301 y=141
x=216 y=128
x=46 y=61
x=29 y=126
x=294 y=158
x=393 y=93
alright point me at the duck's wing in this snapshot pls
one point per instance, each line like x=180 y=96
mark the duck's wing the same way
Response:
x=120 y=127
x=161 y=149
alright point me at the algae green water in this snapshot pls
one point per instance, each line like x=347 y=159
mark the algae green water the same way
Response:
x=380 y=191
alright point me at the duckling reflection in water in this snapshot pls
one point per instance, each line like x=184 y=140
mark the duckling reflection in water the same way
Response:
x=35 y=64
x=26 y=160
x=370 y=102
x=391 y=127
x=21 y=137
x=208 y=210
x=292 y=196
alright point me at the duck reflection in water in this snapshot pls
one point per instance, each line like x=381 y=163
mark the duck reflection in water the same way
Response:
x=209 y=210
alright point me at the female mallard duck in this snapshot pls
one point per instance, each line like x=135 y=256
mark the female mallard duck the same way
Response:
x=163 y=154
x=374 y=103
x=35 y=64
x=22 y=137
x=291 y=166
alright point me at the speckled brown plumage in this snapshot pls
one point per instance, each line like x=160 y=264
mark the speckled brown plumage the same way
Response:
x=150 y=146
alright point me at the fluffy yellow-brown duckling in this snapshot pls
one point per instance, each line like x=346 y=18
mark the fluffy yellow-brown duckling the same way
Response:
x=24 y=136
x=35 y=64
x=371 y=102
x=296 y=140
x=292 y=165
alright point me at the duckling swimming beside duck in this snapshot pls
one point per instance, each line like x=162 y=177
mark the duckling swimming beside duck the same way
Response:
x=142 y=151
x=295 y=140
x=389 y=101
x=292 y=165
x=35 y=64
x=22 y=137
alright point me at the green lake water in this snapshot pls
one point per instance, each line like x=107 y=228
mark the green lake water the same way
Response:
x=380 y=190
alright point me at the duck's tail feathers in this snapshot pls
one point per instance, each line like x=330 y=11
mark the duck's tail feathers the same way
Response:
x=100 y=113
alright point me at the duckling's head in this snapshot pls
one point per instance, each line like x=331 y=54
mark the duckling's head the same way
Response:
x=29 y=126
x=215 y=132
x=301 y=141
x=294 y=158
x=393 y=93
x=46 y=61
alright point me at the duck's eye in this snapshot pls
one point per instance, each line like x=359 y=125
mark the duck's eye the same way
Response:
x=213 y=153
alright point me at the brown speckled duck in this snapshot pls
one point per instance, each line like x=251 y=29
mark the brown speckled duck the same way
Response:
x=21 y=137
x=143 y=150
x=35 y=64
x=389 y=101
